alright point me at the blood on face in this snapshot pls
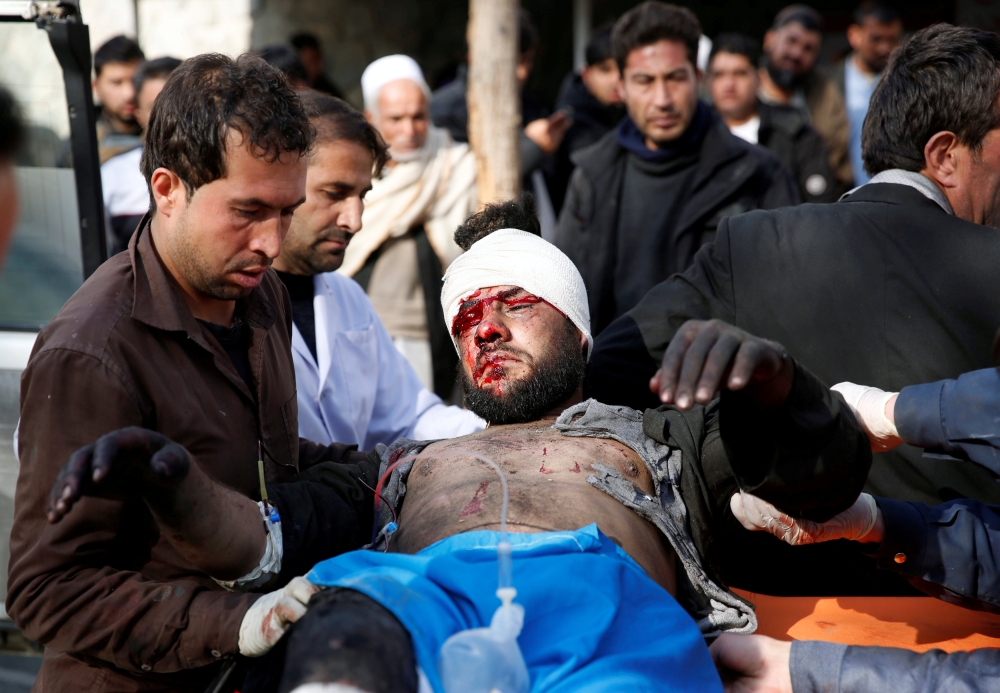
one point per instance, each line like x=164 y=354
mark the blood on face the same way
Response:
x=475 y=307
x=483 y=315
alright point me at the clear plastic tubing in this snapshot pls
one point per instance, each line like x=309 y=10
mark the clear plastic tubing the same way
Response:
x=505 y=565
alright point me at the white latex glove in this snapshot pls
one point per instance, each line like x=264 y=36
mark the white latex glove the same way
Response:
x=854 y=523
x=868 y=407
x=269 y=617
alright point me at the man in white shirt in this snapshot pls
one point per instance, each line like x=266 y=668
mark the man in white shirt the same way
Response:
x=126 y=195
x=353 y=385
x=873 y=35
x=733 y=82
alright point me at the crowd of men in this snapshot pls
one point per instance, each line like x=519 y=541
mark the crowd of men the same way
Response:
x=259 y=447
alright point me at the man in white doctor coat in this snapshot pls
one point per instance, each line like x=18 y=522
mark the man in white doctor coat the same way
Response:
x=353 y=385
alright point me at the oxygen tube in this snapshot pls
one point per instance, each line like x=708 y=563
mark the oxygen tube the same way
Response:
x=479 y=660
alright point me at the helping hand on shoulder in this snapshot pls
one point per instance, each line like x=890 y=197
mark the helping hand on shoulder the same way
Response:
x=706 y=356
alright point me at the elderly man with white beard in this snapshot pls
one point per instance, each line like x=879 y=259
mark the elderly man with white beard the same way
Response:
x=427 y=189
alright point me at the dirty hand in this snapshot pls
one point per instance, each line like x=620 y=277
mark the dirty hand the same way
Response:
x=130 y=460
x=706 y=356
x=269 y=617
x=752 y=663
x=874 y=409
x=548 y=133
x=854 y=524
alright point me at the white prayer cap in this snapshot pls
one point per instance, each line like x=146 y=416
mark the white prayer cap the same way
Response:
x=510 y=257
x=389 y=69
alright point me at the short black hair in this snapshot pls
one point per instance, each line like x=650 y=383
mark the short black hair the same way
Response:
x=944 y=78
x=304 y=39
x=157 y=68
x=737 y=44
x=527 y=35
x=799 y=14
x=286 y=60
x=12 y=131
x=599 y=46
x=651 y=22
x=335 y=120
x=879 y=11
x=518 y=213
x=211 y=95
x=119 y=49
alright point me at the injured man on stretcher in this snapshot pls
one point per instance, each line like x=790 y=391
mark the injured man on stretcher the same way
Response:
x=617 y=520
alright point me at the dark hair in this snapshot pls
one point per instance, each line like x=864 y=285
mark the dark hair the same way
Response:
x=285 y=59
x=335 y=120
x=879 y=11
x=157 y=68
x=304 y=39
x=945 y=78
x=527 y=36
x=207 y=97
x=799 y=14
x=11 y=126
x=654 y=21
x=518 y=213
x=737 y=44
x=599 y=46
x=120 y=49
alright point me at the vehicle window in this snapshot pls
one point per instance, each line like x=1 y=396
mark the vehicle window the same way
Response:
x=44 y=265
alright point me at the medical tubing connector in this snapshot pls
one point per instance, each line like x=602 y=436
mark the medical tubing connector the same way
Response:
x=482 y=660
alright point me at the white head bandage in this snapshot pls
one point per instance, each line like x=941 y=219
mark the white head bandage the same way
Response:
x=389 y=69
x=510 y=257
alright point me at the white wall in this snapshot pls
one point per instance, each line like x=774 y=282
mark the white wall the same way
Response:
x=183 y=28
x=107 y=18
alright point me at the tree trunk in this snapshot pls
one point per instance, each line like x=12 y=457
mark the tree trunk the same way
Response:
x=493 y=98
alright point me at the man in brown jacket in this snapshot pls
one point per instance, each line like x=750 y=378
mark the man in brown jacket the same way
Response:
x=185 y=338
x=789 y=78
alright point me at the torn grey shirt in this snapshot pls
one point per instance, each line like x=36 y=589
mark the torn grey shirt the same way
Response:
x=714 y=608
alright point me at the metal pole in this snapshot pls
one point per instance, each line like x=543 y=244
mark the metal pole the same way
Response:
x=71 y=44
x=582 y=22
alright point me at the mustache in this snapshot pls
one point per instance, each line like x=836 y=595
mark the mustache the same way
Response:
x=486 y=351
x=333 y=234
x=250 y=263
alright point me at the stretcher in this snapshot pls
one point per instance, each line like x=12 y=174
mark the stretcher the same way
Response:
x=913 y=623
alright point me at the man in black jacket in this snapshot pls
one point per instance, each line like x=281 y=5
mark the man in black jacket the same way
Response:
x=593 y=98
x=894 y=285
x=733 y=82
x=652 y=191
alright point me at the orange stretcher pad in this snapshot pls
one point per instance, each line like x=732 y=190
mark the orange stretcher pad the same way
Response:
x=914 y=623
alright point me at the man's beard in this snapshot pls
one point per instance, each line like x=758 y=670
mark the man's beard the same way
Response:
x=314 y=260
x=786 y=79
x=190 y=262
x=414 y=153
x=553 y=380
